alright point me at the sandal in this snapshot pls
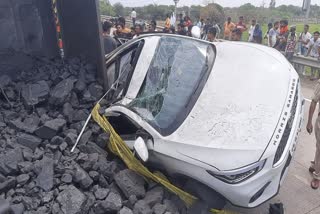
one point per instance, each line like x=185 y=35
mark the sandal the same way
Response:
x=311 y=168
x=315 y=184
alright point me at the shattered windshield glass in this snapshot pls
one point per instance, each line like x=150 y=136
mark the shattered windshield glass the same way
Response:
x=175 y=78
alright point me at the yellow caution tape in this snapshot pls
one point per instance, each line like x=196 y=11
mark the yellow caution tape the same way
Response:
x=120 y=148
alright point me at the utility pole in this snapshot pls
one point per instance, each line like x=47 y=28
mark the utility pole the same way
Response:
x=175 y=10
x=272 y=4
x=306 y=7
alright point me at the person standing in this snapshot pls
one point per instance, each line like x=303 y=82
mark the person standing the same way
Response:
x=315 y=165
x=314 y=51
x=181 y=19
x=133 y=17
x=273 y=34
x=109 y=43
x=241 y=26
x=266 y=36
x=283 y=36
x=251 y=30
x=257 y=34
x=304 y=39
x=291 y=46
x=167 y=23
x=228 y=28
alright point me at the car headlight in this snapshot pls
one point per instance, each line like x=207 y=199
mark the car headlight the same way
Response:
x=237 y=176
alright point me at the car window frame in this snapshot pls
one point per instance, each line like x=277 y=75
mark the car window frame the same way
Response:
x=116 y=58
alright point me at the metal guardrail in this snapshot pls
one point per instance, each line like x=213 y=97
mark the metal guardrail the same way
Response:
x=306 y=61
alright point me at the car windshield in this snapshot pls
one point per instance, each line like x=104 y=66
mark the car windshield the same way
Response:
x=175 y=78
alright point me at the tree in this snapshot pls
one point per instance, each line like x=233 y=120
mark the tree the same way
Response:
x=214 y=12
x=106 y=8
x=119 y=9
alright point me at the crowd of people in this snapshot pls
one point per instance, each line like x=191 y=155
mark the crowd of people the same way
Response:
x=278 y=35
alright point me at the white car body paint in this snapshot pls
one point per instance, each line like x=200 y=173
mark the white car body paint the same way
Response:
x=233 y=124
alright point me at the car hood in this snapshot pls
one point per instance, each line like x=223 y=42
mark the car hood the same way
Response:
x=239 y=108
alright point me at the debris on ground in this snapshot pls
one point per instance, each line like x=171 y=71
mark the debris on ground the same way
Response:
x=42 y=111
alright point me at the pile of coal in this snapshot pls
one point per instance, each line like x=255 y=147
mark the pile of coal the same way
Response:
x=42 y=111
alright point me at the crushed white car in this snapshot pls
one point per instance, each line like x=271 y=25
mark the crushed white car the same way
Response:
x=224 y=114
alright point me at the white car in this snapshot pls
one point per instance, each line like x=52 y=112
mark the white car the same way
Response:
x=226 y=115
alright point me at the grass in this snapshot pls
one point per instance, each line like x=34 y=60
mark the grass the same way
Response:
x=313 y=28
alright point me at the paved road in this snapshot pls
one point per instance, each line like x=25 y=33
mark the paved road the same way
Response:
x=296 y=194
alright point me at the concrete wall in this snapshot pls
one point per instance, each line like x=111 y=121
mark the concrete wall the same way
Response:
x=28 y=26
x=81 y=30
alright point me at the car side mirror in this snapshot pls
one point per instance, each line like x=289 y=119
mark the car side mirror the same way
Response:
x=141 y=148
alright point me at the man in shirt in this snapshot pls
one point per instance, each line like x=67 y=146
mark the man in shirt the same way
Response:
x=133 y=16
x=228 y=28
x=138 y=29
x=273 y=34
x=304 y=39
x=314 y=51
x=109 y=43
x=236 y=35
x=181 y=30
x=122 y=22
x=315 y=165
x=212 y=33
x=251 y=30
x=241 y=26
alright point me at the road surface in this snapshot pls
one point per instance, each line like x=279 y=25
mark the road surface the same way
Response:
x=296 y=193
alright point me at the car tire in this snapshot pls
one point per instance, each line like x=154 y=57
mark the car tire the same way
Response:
x=207 y=195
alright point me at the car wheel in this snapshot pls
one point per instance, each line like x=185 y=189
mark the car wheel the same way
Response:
x=207 y=195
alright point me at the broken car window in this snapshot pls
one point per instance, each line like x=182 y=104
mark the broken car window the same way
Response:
x=178 y=68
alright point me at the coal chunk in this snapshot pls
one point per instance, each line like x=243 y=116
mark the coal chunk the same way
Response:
x=71 y=138
x=101 y=193
x=130 y=183
x=125 y=210
x=60 y=92
x=33 y=94
x=82 y=177
x=72 y=200
x=159 y=209
x=18 y=208
x=9 y=161
x=68 y=112
x=10 y=183
x=50 y=128
x=112 y=204
x=141 y=207
x=29 y=141
x=66 y=178
x=29 y=125
x=45 y=177
x=57 y=140
x=154 y=196
x=23 y=179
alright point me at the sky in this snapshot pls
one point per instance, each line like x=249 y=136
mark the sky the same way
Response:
x=225 y=3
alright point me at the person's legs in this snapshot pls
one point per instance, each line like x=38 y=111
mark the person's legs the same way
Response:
x=316 y=174
x=312 y=74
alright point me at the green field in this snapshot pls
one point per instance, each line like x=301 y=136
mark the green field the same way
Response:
x=313 y=28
